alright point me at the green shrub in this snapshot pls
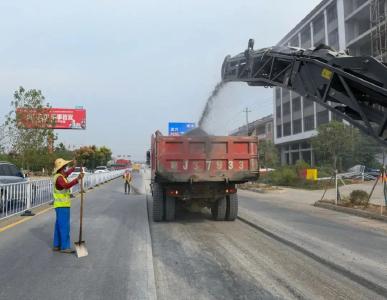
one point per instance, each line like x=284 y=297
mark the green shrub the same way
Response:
x=324 y=171
x=359 y=197
x=286 y=176
x=301 y=165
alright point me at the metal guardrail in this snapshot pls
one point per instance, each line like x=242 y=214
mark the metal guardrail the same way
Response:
x=16 y=198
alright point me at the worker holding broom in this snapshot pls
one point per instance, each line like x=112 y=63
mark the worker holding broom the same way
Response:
x=127 y=180
x=62 y=204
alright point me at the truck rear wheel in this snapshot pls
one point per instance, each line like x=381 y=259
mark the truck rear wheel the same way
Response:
x=170 y=208
x=158 y=202
x=232 y=207
x=218 y=209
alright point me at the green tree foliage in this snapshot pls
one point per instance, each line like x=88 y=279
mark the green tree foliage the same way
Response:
x=105 y=155
x=29 y=145
x=63 y=152
x=92 y=156
x=365 y=151
x=268 y=154
x=334 y=141
x=343 y=146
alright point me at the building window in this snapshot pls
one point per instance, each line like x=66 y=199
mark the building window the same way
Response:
x=286 y=109
x=287 y=161
x=319 y=30
x=307 y=103
x=361 y=47
x=322 y=117
x=357 y=24
x=268 y=127
x=333 y=39
x=295 y=157
x=278 y=111
x=285 y=95
x=351 y=5
x=309 y=123
x=296 y=104
x=307 y=156
x=305 y=145
x=261 y=130
x=297 y=126
x=279 y=131
x=278 y=96
x=306 y=42
x=333 y=33
x=287 y=129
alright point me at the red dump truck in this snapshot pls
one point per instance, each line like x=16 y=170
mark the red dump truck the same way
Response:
x=202 y=170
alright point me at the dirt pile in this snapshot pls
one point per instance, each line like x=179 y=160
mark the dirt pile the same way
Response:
x=196 y=132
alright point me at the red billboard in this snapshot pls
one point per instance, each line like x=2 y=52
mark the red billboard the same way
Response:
x=55 y=118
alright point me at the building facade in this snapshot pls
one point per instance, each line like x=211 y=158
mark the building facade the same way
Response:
x=262 y=128
x=356 y=25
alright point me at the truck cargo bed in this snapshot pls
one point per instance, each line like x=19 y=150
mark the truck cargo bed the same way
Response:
x=204 y=158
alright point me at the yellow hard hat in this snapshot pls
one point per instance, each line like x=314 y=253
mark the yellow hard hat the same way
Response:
x=59 y=164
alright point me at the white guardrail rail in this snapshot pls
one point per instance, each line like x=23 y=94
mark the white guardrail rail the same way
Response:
x=19 y=197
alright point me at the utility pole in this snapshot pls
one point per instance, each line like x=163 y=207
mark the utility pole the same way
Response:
x=246 y=111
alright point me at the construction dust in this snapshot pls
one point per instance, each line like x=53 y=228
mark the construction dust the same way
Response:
x=196 y=132
x=210 y=103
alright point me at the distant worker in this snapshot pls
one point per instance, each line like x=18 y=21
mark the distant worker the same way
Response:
x=127 y=180
x=62 y=204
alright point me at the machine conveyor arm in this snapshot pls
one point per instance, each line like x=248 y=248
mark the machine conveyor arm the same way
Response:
x=353 y=87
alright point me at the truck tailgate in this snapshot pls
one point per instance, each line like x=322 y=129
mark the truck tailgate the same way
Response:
x=208 y=158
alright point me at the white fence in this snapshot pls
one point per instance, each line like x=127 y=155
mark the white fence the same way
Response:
x=16 y=198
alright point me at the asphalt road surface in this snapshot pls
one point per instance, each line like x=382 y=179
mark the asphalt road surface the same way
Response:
x=197 y=258
x=119 y=265
x=131 y=257
x=354 y=243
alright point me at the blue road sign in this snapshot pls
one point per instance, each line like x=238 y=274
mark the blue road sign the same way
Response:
x=175 y=128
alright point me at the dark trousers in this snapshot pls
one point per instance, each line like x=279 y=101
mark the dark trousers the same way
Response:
x=62 y=228
x=127 y=187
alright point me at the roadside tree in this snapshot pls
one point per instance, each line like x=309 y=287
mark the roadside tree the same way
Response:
x=62 y=151
x=92 y=156
x=29 y=144
x=333 y=142
x=268 y=154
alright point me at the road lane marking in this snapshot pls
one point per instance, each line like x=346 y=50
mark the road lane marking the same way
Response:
x=24 y=219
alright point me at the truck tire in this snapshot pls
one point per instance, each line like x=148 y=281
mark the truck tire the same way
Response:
x=232 y=207
x=158 y=202
x=170 y=208
x=218 y=209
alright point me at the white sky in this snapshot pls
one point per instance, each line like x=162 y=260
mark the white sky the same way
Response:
x=136 y=65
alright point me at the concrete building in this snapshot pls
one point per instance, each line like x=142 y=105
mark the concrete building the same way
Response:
x=357 y=25
x=262 y=128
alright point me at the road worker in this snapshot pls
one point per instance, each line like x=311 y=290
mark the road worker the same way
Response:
x=62 y=204
x=127 y=180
